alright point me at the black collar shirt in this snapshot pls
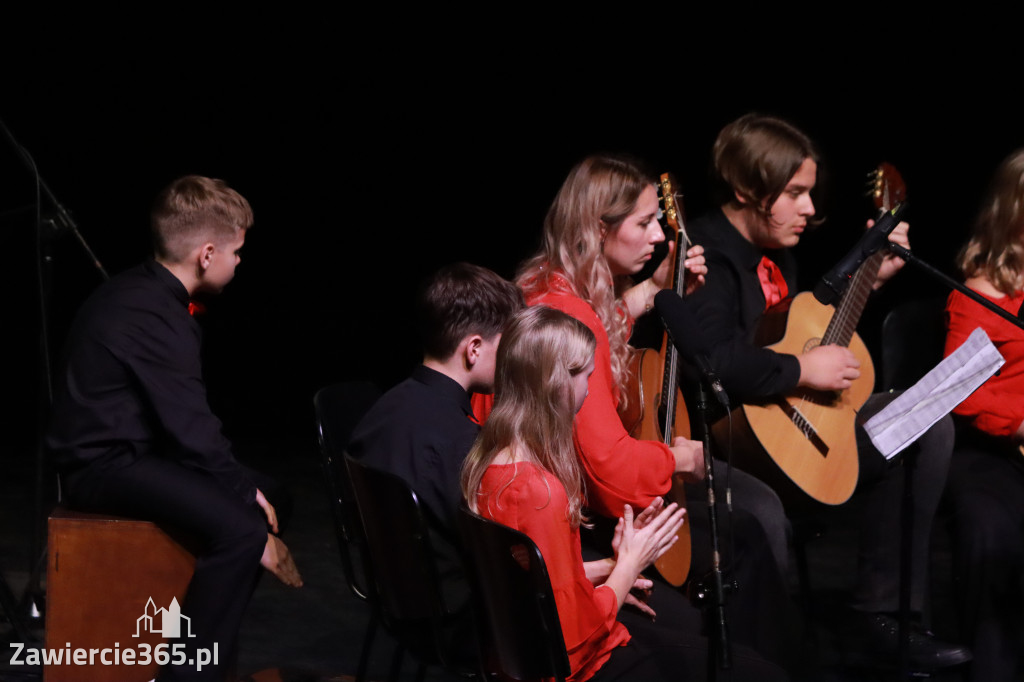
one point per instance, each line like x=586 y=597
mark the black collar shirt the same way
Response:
x=132 y=385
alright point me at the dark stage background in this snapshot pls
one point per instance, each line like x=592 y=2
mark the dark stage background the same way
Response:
x=366 y=175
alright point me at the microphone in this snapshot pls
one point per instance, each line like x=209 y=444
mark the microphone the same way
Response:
x=684 y=333
x=831 y=287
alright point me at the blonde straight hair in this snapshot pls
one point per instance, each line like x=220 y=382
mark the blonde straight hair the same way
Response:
x=995 y=250
x=541 y=350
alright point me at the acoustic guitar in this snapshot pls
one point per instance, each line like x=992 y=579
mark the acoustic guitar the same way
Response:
x=655 y=410
x=806 y=438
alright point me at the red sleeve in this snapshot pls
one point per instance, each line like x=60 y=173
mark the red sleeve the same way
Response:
x=997 y=407
x=482 y=403
x=534 y=503
x=619 y=469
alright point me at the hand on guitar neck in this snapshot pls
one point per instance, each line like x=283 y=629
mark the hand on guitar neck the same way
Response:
x=835 y=368
x=828 y=368
x=696 y=269
x=689 y=456
x=640 y=298
x=891 y=263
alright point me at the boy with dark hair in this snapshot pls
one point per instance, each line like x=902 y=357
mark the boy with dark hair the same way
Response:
x=423 y=428
x=132 y=432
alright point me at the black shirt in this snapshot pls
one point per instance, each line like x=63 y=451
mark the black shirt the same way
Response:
x=132 y=382
x=730 y=306
x=421 y=431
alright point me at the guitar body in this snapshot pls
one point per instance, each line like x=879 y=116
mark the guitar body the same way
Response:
x=640 y=416
x=821 y=457
x=643 y=422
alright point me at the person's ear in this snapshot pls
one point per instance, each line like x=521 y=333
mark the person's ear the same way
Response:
x=205 y=256
x=473 y=346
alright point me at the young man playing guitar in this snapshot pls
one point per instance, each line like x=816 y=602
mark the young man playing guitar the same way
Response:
x=766 y=169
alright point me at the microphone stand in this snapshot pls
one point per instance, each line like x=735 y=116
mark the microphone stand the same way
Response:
x=910 y=460
x=710 y=593
x=47 y=229
x=908 y=256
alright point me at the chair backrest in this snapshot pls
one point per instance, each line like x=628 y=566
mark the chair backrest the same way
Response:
x=913 y=338
x=408 y=590
x=338 y=409
x=514 y=599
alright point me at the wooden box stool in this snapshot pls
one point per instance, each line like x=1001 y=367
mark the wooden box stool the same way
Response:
x=103 y=572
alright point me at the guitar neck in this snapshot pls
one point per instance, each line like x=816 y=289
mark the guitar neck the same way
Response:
x=844 y=322
x=887 y=190
x=670 y=380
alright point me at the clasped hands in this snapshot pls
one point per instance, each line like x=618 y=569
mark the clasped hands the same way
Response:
x=638 y=541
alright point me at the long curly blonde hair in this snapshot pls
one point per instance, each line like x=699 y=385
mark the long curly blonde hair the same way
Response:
x=595 y=199
x=540 y=352
x=996 y=248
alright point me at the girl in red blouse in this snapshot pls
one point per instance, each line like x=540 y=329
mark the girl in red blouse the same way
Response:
x=523 y=472
x=986 y=481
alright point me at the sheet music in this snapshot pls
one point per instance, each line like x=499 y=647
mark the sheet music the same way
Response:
x=935 y=395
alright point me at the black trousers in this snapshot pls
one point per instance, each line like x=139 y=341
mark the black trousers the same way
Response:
x=657 y=652
x=880 y=488
x=764 y=627
x=986 y=495
x=227 y=535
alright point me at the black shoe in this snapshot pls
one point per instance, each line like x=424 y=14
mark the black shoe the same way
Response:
x=880 y=636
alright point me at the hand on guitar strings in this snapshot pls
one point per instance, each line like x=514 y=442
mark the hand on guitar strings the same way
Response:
x=696 y=269
x=891 y=263
x=828 y=368
x=689 y=456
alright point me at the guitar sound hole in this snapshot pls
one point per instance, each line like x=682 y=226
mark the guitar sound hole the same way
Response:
x=811 y=344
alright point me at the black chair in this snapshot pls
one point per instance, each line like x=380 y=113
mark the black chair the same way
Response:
x=913 y=338
x=407 y=589
x=338 y=409
x=514 y=600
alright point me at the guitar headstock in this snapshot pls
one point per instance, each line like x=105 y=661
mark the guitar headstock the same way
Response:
x=672 y=207
x=886 y=187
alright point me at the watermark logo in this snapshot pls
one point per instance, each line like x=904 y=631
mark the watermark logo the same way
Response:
x=170 y=620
